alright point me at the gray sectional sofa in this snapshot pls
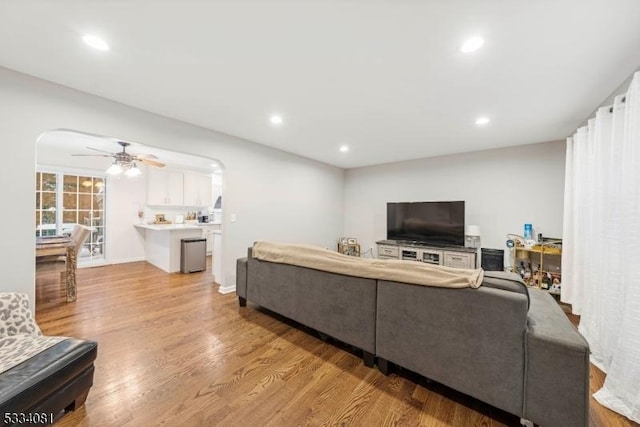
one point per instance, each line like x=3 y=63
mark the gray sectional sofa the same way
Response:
x=502 y=343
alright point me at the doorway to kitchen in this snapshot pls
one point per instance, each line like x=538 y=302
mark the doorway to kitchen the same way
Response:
x=116 y=204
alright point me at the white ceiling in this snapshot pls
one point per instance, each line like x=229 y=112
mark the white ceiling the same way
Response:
x=384 y=77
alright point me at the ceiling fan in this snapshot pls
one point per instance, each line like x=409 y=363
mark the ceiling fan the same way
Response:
x=125 y=162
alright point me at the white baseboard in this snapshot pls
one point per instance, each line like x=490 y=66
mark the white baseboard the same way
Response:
x=227 y=289
x=105 y=262
x=125 y=260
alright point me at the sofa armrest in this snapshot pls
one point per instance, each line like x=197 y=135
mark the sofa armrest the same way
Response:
x=507 y=281
x=241 y=277
x=557 y=366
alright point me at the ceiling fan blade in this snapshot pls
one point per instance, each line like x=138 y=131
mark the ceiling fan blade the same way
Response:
x=150 y=162
x=147 y=156
x=95 y=149
x=93 y=155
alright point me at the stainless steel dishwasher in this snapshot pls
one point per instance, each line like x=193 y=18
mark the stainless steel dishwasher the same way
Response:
x=193 y=254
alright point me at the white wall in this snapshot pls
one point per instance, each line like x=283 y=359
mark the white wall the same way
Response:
x=124 y=243
x=503 y=189
x=274 y=194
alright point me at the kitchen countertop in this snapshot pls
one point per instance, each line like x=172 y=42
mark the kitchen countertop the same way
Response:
x=170 y=227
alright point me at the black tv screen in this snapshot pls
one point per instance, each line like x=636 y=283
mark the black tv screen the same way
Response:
x=438 y=223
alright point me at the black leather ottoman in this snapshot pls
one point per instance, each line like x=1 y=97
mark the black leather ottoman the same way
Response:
x=47 y=385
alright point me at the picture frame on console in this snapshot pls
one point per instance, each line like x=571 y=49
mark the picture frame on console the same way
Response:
x=347 y=240
x=349 y=249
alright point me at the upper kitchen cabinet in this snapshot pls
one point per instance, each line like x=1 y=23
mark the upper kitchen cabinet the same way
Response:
x=164 y=188
x=198 y=190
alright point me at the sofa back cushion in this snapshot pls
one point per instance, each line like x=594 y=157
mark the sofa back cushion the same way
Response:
x=343 y=307
x=472 y=340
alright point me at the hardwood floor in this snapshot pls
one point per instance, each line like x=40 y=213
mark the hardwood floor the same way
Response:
x=174 y=351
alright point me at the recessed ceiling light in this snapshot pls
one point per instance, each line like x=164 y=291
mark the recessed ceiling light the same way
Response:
x=344 y=148
x=481 y=121
x=95 y=42
x=276 y=119
x=472 y=44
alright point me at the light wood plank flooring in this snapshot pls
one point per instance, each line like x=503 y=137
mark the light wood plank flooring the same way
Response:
x=173 y=351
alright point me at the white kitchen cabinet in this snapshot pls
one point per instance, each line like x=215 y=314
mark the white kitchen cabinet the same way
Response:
x=164 y=188
x=198 y=189
x=207 y=233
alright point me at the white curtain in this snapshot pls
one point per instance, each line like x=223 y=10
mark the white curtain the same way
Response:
x=601 y=249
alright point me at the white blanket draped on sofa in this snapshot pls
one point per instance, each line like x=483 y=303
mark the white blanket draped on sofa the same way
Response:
x=394 y=270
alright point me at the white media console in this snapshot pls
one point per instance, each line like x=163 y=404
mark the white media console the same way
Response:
x=449 y=256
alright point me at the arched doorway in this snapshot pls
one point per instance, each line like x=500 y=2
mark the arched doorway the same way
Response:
x=80 y=190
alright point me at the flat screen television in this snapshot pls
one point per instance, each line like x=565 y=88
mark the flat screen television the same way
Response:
x=437 y=223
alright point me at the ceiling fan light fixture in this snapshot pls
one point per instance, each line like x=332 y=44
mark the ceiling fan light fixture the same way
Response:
x=114 y=169
x=133 y=171
x=125 y=163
